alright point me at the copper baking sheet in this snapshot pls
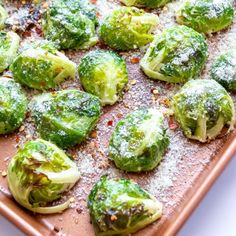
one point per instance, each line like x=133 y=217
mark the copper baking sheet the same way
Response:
x=179 y=182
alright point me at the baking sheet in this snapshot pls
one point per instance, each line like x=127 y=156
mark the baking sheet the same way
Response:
x=186 y=172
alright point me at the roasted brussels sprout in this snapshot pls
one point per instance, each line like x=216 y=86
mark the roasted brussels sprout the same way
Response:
x=13 y=105
x=224 y=70
x=39 y=174
x=42 y=67
x=207 y=16
x=128 y=28
x=104 y=74
x=65 y=117
x=145 y=3
x=139 y=141
x=71 y=24
x=3 y=16
x=121 y=207
x=175 y=56
x=203 y=108
x=9 y=44
x=84 y=6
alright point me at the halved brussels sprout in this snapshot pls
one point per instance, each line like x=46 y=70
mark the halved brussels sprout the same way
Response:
x=13 y=105
x=71 y=24
x=121 y=207
x=104 y=74
x=203 y=109
x=65 y=117
x=3 y=16
x=39 y=174
x=9 y=44
x=128 y=28
x=146 y=3
x=139 y=141
x=42 y=67
x=224 y=70
x=207 y=16
x=176 y=55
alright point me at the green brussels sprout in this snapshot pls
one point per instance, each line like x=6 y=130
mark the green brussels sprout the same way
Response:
x=203 y=108
x=39 y=174
x=13 y=105
x=3 y=16
x=206 y=16
x=136 y=145
x=42 y=67
x=84 y=6
x=224 y=70
x=71 y=24
x=65 y=117
x=104 y=74
x=175 y=56
x=9 y=44
x=121 y=207
x=128 y=28
x=145 y=3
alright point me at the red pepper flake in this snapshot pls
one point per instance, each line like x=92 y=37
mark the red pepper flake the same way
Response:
x=17 y=138
x=79 y=210
x=110 y=123
x=134 y=60
x=173 y=125
x=101 y=45
x=94 y=134
x=119 y=115
x=98 y=14
x=56 y=229
x=113 y=218
x=27 y=34
x=39 y=31
x=165 y=102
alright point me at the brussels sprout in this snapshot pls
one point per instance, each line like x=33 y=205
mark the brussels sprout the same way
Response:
x=128 y=28
x=121 y=207
x=71 y=24
x=203 y=108
x=39 y=174
x=84 y=6
x=65 y=117
x=146 y=3
x=224 y=70
x=139 y=141
x=42 y=67
x=175 y=56
x=104 y=74
x=9 y=44
x=13 y=105
x=207 y=16
x=3 y=16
